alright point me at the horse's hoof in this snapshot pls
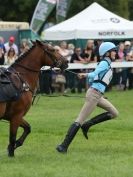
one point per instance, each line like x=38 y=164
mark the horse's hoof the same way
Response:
x=11 y=155
x=10 y=152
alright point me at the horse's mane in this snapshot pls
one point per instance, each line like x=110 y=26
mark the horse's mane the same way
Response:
x=24 y=54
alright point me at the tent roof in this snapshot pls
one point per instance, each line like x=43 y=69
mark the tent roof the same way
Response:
x=95 y=22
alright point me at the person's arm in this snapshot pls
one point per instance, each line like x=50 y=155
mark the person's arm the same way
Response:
x=103 y=65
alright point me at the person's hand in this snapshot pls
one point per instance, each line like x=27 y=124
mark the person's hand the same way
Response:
x=82 y=75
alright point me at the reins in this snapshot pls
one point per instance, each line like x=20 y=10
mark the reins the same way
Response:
x=56 y=63
x=71 y=72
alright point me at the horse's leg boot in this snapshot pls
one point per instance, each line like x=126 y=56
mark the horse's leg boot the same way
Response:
x=95 y=120
x=68 y=138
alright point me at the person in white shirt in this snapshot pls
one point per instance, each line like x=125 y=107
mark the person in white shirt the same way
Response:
x=11 y=44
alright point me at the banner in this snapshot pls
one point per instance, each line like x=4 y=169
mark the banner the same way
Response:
x=13 y=25
x=41 y=13
x=62 y=9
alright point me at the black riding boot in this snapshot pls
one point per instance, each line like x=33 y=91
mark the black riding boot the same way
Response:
x=69 y=137
x=95 y=120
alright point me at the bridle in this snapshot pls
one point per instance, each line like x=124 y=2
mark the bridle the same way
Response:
x=56 y=63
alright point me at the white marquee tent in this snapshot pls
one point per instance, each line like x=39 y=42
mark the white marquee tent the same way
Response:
x=95 y=22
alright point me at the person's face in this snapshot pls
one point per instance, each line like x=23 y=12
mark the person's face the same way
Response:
x=127 y=46
x=90 y=44
x=63 y=45
x=99 y=42
x=11 y=52
x=78 y=51
x=113 y=54
x=10 y=43
x=121 y=47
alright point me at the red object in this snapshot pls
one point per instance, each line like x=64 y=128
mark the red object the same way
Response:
x=12 y=39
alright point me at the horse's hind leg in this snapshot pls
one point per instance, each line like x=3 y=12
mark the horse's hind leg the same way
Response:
x=27 y=129
x=14 y=124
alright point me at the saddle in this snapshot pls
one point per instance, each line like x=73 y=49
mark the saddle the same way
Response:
x=11 y=86
x=3 y=76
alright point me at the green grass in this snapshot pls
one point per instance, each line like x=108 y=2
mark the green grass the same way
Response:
x=107 y=153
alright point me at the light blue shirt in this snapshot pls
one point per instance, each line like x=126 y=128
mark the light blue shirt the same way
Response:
x=100 y=70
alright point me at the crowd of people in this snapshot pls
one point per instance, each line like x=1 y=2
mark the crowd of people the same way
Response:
x=9 y=51
x=51 y=81
x=122 y=78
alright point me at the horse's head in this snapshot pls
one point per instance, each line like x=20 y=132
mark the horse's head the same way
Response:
x=51 y=57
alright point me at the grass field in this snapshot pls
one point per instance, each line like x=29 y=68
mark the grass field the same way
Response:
x=107 y=153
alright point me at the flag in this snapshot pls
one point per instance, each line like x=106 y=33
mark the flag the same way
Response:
x=41 y=13
x=62 y=9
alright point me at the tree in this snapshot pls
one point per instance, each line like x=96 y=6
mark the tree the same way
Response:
x=130 y=7
x=117 y=7
x=22 y=10
x=15 y=10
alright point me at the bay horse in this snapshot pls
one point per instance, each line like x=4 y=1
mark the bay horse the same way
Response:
x=27 y=67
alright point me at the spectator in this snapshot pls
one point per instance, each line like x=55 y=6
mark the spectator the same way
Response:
x=89 y=56
x=129 y=58
x=59 y=82
x=2 y=44
x=90 y=51
x=127 y=51
x=63 y=49
x=58 y=78
x=11 y=44
x=131 y=47
x=71 y=51
x=127 y=47
x=120 y=73
x=57 y=48
x=96 y=50
x=75 y=81
x=2 y=56
x=10 y=57
x=24 y=46
x=65 y=53
x=2 y=51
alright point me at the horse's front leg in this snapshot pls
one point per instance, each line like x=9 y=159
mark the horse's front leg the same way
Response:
x=14 y=124
x=27 y=129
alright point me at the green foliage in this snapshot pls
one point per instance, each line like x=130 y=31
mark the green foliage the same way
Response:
x=130 y=6
x=119 y=7
x=107 y=153
x=17 y=10
x=77 y=7
x=23 y=10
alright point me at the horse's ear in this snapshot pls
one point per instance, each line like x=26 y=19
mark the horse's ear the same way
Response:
x=33 y=42
x=39 y=42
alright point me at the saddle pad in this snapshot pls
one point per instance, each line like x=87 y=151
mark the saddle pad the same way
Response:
x=9 y=93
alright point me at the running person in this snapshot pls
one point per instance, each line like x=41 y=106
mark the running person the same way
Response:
x=100 y=79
